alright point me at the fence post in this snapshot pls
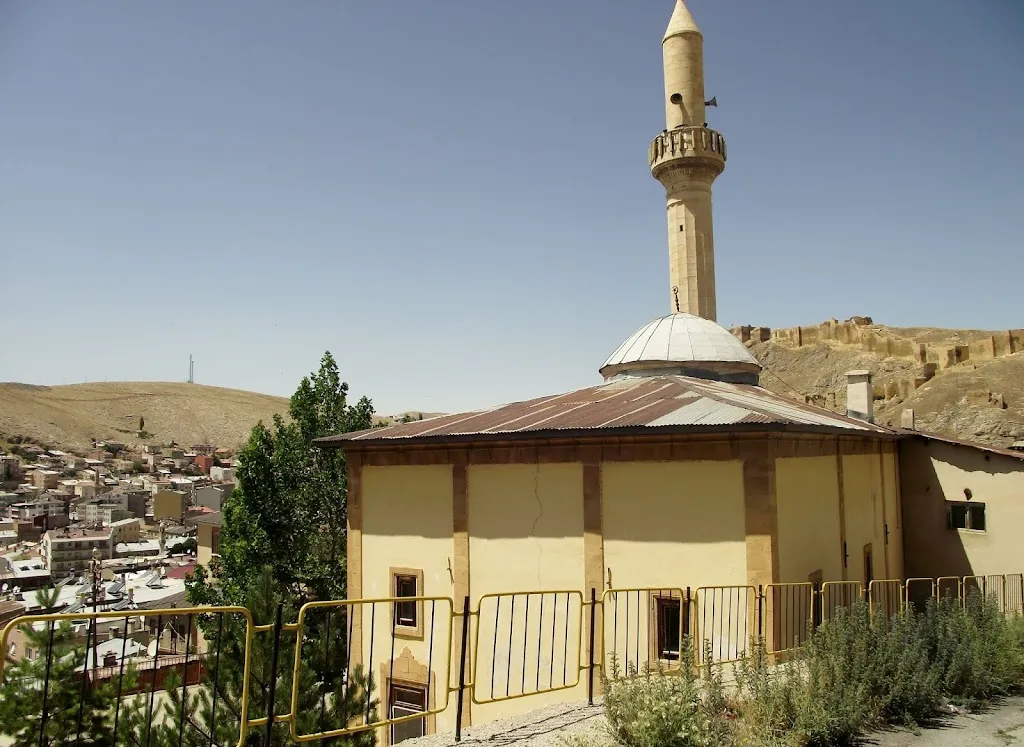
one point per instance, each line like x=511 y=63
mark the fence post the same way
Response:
x=1022 y=593
x=590 y=652
x=462 y=669
x=272 y=692
x=760 y=614
x=689 y=623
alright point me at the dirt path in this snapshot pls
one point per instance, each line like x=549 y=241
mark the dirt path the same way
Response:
x=579 y=724
x=1000 y=726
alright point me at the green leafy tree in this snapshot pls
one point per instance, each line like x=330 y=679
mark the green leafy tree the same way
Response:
x=283 y=541
x=289 y=510
x=187 y=546
x=74 y=714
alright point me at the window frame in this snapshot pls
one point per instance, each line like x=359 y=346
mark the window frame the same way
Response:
x=969 y=508
x=658 y=600
x=406 y=631
x=395 y=684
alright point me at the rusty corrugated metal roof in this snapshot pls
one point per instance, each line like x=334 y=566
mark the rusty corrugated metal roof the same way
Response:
x=664 y=403
x=960 y=442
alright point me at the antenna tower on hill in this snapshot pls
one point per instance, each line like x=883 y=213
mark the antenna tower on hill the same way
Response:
x=191 y=370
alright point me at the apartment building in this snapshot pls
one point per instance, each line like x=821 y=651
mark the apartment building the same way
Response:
x=68 y=551
x=46 y=504
x=102 y=512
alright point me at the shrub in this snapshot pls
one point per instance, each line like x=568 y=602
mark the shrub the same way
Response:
x=860 y=670
x=790 y=704
x=856 y=671
x=650 y=708
x=977 y=651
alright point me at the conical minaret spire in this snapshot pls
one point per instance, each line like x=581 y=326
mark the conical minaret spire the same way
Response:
x=686 y=158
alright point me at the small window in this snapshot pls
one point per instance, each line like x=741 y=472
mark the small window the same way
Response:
x=408 y=616
x=405 y=612
x=669 y=621
x=964 y=515
x=407 y=700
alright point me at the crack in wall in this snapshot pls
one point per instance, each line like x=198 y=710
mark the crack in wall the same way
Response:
x=536 y=521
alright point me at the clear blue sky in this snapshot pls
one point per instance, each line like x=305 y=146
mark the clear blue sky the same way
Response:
x=453 y=196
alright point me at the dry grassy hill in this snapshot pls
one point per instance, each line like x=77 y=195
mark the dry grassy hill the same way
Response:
x=980 y=400
x=71 y=416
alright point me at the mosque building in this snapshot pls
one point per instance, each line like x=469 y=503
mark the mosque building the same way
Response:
x=677 y=472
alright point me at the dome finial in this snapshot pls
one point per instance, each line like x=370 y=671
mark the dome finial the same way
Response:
x=675 y=292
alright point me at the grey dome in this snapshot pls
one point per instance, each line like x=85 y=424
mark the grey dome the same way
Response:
x=683 y=344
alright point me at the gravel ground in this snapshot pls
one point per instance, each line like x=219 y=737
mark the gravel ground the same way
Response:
x=1000 y=726
x=544 y=727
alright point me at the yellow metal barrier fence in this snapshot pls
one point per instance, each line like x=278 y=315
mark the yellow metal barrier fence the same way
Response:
x=522 y=643
x=885 y=597
x=726 y=621
x=949 y=587
x=532 y=643
x=178 y=650
x=644 y=628
x=917 y=592
x=995 y=588
x=1014 y=593
x=789 y=612
x=972 y=586
x=417 y=632
x=836 y=595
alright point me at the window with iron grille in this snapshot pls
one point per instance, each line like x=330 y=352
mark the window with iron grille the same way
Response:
x=670 y=620
x=669 y=625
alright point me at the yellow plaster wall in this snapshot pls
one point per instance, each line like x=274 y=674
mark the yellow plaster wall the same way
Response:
x=865 y=520
x=672 y=525
x=859 y=481
x=933 y=473
x=893 y=513
x=526 y=533
x=808 y=519
x=204 y=544
x=407 y=523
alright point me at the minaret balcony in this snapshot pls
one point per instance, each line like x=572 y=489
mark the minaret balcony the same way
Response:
x=698 y=147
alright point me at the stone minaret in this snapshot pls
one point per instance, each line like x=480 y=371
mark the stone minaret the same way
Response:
x=686 y=158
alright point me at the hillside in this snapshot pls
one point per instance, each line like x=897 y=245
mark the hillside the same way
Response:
x=980 y=398
x=966 y=384
x=71 y=416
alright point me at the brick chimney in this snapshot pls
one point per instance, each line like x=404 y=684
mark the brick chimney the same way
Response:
x=860 y=399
